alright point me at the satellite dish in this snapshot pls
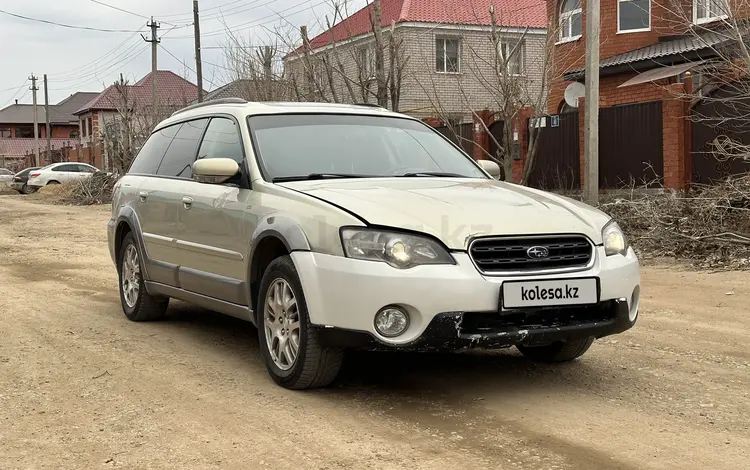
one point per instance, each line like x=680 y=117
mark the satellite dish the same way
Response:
x=572 y=92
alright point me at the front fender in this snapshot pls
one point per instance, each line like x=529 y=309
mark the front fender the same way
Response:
x=127 y=216
x=283 y=228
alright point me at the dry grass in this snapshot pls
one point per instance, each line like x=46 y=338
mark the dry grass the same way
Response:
x=94 y=190
x=709 y=226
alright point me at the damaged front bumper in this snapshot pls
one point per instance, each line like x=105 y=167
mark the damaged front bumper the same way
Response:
x=493 y=330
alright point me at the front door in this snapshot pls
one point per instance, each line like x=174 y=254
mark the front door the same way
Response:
x=213 y=242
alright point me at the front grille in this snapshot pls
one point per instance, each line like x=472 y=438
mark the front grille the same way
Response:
x=501 y=255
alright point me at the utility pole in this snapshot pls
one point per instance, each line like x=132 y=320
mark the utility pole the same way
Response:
x=591 y=126
x=34 y=89
x=46 y=116
x=154 y=42
x=198 y=63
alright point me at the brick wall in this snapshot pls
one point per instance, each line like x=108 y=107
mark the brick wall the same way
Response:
x=668 y=17
x=425 y=92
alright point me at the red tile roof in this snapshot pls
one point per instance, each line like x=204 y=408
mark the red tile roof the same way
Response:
x=171 y=89
x=20 y=147
x=509 y=13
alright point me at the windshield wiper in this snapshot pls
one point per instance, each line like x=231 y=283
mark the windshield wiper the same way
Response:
x=432 y=173
x=315 y=176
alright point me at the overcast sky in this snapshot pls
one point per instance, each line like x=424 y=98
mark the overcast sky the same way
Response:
x=81 y=60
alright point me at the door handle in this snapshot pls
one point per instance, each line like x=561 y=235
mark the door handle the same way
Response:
x=143 y=195
x=187 y=202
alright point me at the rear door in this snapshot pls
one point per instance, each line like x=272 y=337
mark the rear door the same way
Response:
x=152 y=207
x=64 y=173
x=213 y=241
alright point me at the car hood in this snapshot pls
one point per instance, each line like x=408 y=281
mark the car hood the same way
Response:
x=455 y=210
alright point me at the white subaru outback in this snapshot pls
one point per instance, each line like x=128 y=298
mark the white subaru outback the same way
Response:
x=333 y=227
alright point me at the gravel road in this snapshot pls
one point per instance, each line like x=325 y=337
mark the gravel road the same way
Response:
x=82 y=387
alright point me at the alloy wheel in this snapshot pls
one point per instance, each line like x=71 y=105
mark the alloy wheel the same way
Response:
x=282 y=324
x=131 y=276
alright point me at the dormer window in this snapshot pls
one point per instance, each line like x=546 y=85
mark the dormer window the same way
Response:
x=571 y=20
x=633 y=16
x=705 y=11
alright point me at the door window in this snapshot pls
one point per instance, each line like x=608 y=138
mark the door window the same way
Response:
x=222 y=140
x=179 y=158
x=85 y=169
x=148 y=159
x=67 y=168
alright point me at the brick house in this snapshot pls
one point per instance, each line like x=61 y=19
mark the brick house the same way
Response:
x=446 y=49
x=651 y=52
x=17 y=127
x=172 y=92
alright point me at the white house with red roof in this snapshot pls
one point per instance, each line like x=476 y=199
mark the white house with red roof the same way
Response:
x=172 y=92
x=447 y=50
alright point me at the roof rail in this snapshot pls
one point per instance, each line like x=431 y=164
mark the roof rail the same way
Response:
x=209 y=103
x=370 y=105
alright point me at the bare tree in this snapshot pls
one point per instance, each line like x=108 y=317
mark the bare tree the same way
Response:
x=349 y=71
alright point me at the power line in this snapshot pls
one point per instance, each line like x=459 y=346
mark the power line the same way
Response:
x=130 y=59
x=217 y=7
x=107 y=57
x=254 y=23
x=63 y=25
x=186 y=65
x=128 y=11
x=119 y=9
x=16 y=93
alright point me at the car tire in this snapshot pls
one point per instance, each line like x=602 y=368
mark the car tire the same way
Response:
x=137 y=304
x=313 y=365
x=560 y=351
x=26 y=189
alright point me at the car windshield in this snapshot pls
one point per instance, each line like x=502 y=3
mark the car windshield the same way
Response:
x=306 y=146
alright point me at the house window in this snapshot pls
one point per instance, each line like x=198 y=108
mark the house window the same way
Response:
x=5 y=132
x=89 y=125
x=366 y=62
x=512 y=54
x=74 y=134
x=447 y=55
x=571 y=20
x=25 y=132
x=709 y=10
x=633 y=15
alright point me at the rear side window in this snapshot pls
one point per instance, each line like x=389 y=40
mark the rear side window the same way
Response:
x=148 y=159
x=85 y=169
x=178 y=161
x=222 y=140
x=68 y=168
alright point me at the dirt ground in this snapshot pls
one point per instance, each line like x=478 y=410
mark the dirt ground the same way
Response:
x=82 y=387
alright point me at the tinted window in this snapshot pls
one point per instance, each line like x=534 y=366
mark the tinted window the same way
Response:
x=149 y=158
x=222 y=140
x=68 y=168
x=85 y=169
x=297 y=145
x=181 y=153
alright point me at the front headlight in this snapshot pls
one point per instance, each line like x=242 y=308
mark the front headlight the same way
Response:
x=615 y=242
x=400 y=250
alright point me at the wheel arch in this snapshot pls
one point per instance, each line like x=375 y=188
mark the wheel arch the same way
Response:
x=127 y=222
x=274 y=237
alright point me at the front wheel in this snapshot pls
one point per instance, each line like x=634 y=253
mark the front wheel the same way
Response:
x=289 y=344
x=560 y=351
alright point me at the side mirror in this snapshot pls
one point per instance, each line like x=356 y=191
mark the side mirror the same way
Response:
x=214 y=170
x=490 y=167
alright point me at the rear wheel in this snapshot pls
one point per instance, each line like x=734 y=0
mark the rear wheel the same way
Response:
x=293 y=356
x=26 y=189
x=560 y=351
x=137 y=304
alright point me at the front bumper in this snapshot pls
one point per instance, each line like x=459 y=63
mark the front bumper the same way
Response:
x=343 y=295
x=18 y=186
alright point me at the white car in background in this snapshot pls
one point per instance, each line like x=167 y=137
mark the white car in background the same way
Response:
x=6 y=176
x=58 y=173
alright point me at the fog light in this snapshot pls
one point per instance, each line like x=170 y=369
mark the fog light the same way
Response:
x=391 y=321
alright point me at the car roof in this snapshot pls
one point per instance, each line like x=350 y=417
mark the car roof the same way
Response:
x=241 y=109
